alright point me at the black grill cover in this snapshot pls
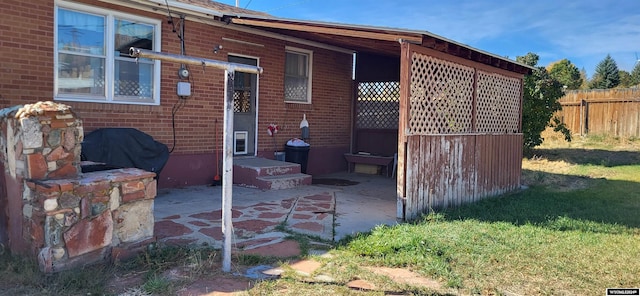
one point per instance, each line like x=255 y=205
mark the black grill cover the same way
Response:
x=125 y=148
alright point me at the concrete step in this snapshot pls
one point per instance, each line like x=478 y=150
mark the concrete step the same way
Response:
x=264 y=167
x=268 y=174
x=282 y=181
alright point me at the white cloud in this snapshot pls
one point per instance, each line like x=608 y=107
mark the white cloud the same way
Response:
x=580 y=30
x=618 y=36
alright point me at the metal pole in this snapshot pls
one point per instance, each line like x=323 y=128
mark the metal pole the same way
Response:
x=145 y=53
x=227 y=170
x=227 y=162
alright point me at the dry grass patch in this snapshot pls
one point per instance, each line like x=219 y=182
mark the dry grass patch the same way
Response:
x=555 y=175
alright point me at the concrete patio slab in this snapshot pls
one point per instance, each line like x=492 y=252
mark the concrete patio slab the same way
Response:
x=340 y=205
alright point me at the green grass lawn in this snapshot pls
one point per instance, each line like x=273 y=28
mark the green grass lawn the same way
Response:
x=575 y=230
x=534 y=242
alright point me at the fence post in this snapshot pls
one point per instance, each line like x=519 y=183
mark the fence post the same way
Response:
x=581 y=118
x=584 y=117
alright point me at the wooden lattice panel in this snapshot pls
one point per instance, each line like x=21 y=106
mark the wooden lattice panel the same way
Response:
x=378 y=105
x=441 y=98
x=497 y=103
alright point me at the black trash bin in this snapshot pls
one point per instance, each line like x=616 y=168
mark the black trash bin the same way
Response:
x=297 y=154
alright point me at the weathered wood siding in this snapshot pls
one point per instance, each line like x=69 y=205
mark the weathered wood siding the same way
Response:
x=614 y=112
x=498 y=164
x=450 y=170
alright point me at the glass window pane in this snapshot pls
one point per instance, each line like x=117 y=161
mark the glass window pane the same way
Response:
x=130 y=34
x=133 y=79
x=302 y=65
x=296 y=81
x=80 y=32
x=296 y=64
x=240 y=80
x=79 y=74
x=291 y=64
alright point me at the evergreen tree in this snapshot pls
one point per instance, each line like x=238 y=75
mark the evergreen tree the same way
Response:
x=625 y=79
x=585 y=80
x=607 y=75
x=635 y=75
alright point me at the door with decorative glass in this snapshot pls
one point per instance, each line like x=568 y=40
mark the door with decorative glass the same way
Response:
x=245 y=92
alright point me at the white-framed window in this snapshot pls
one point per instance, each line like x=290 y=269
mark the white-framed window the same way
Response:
x=297 y=75
x=91 y=56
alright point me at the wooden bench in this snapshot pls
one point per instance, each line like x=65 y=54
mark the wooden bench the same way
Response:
x=386 y=162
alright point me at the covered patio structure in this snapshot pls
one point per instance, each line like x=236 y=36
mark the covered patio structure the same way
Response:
x=449 y=113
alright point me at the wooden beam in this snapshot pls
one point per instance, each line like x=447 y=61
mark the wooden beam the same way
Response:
x=465 y=53
x=403 y=124
x=453 y=49
x=429 y=42
x=440 y=45
x=327 y=30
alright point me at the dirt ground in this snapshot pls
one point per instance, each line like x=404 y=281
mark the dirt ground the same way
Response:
x=237 y=282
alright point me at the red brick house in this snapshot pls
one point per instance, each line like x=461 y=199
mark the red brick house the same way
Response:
x=429 y=99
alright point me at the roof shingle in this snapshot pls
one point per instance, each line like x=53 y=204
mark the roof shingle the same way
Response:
x=223 y=8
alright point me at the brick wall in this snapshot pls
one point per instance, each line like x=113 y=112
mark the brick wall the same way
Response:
x=26 y=77
x=26 y=50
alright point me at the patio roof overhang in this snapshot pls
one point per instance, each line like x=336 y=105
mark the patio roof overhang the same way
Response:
x=342 y=37
x=371 y=39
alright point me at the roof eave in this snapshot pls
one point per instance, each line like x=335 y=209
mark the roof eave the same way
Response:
x=179 y=6
x=375 y=32
x=329 y=29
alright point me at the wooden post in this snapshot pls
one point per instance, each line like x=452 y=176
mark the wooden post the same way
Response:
x=581 y=117
x=403 y=126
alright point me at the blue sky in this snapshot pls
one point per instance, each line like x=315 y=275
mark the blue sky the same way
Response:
x=583 y=31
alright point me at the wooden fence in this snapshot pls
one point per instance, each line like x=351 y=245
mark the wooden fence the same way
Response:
x=614 y=112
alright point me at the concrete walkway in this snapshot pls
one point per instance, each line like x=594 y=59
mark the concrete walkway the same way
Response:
x=334 y=207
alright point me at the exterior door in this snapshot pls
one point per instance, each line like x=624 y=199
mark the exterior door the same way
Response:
x=245 y=90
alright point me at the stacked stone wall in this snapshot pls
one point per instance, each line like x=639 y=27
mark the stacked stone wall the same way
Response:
x=54 y=212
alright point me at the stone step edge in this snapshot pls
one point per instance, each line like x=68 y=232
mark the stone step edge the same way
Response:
x=271 y=182
x=284 y=177
x=272 y=170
